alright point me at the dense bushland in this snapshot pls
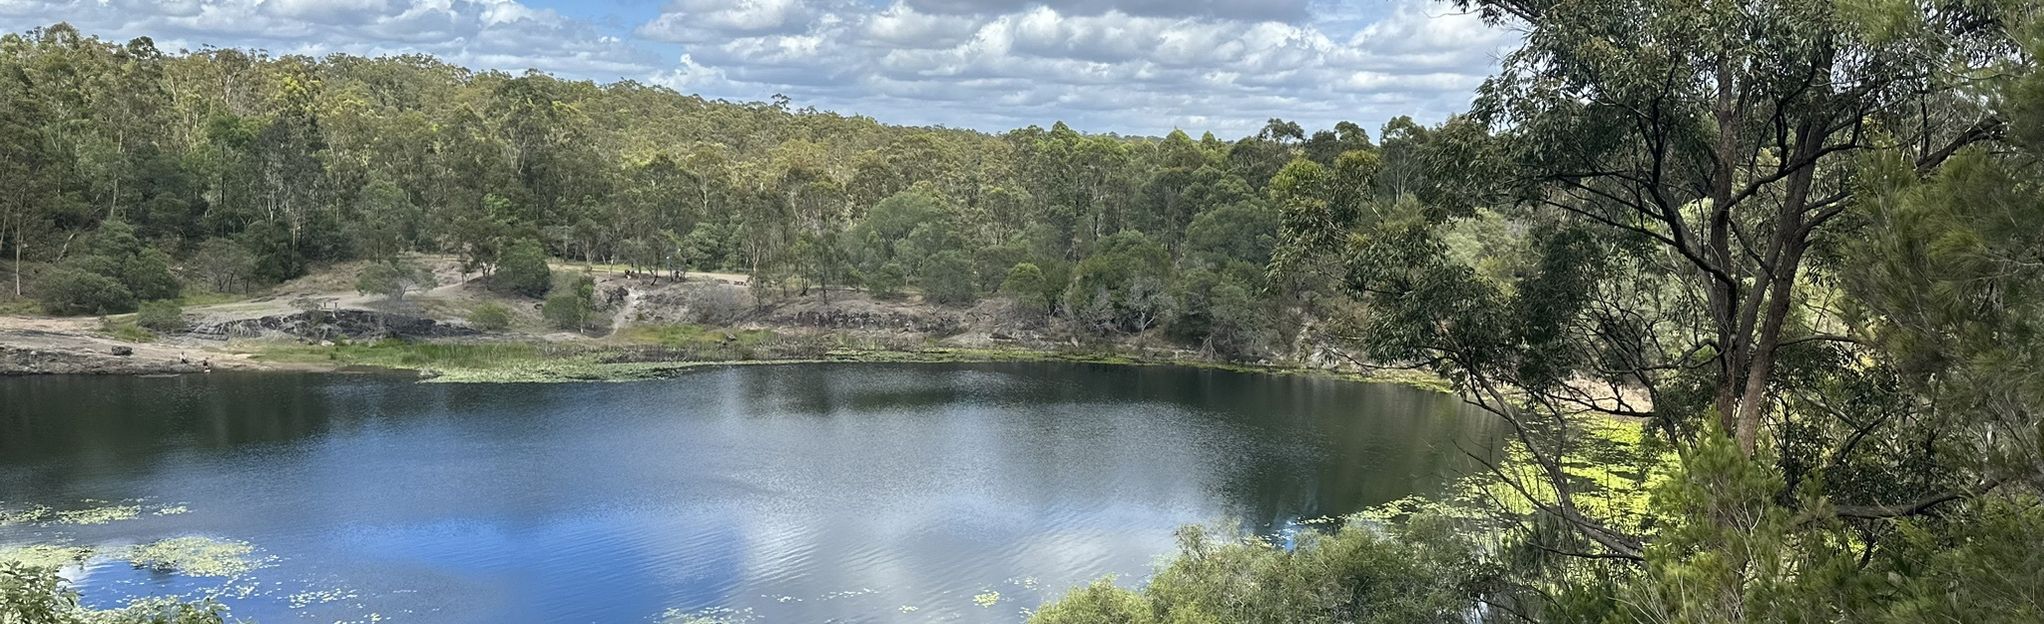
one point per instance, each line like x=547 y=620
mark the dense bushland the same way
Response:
x=136 y=173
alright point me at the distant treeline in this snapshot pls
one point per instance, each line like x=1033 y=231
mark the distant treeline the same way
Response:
x=227 y=169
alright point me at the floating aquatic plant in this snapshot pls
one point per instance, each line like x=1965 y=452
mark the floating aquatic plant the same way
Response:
x=707 y=616
x=25 y=516
x=196 y=556
x=849 y=593
x=98 y=515
x=44 y=556
x=305 y=599
x=95 y=512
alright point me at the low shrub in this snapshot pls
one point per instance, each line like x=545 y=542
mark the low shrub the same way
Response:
x=572 y=306
x=161 y=316
x=490 y=317
x=67 y=291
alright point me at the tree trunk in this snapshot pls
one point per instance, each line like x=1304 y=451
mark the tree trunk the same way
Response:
x=1753 y=402
x=1784 y=261
x=1724 y=294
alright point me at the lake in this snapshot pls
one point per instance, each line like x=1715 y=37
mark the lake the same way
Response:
x=787 y=493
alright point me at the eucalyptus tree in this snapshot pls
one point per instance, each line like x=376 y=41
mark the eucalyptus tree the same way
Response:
x=1403 y=171
x=28 y=170
x=386 y=221
x=540 y=119
x=1175 y=169
x=393 y=277
x=1122 y=287
x=880 y=173
x=1693 y=179
x=1326 y=145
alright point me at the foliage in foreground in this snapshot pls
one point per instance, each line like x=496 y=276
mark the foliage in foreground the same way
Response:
x=1732 y=553
x=1807 y=226
x=1735 y=553
x=36 y=595
x=1422 y=571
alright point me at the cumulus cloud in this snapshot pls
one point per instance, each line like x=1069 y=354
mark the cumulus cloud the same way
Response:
x=1126 y=65
x=489 y=34
x=902 y=26
x=1132 y=66
x=1248 y=10
x=695 y=21
x=329 y=11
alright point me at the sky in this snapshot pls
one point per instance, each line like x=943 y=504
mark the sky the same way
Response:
x=1141 y=67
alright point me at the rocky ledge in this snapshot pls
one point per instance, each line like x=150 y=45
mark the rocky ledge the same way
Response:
x=349 y=324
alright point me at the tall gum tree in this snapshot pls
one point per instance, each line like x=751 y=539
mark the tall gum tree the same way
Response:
x=1688 y=175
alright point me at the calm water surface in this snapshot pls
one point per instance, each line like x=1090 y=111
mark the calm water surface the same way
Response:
x=810 y=493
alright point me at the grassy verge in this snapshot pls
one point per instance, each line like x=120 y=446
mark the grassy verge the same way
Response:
x=679 y=336
x=19 y=307
x=123 y=328
x=195 y=298
x=648 y=352
x=410 y=355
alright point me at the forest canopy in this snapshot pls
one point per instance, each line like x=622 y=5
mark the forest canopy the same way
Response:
x=233 y=169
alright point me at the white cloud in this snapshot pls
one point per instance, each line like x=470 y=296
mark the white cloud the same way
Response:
x=486 y=34
x=1132 y=66
x=329 y=11
x=698 y=21
x=903 y=26
x=1124 y=68
x=1243 y=10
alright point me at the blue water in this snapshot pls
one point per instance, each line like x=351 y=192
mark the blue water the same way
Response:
x=805 y=493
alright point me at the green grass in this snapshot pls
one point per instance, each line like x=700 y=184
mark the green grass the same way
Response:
x=686 y=335
x=478 y=362
x=19 y=307
x=414 y=355
x=124 y=329
x=197 y=298
x=196 y=556
x=10 y=304
x=645 y=352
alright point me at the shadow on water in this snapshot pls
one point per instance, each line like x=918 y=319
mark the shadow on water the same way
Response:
x=792 y=493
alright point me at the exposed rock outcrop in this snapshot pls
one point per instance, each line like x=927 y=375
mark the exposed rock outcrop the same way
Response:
x=84 y=358
x=866 y=315
x=350 y=324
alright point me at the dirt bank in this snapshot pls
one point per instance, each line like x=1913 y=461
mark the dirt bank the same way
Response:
x=700 y=316
x=34 y=345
